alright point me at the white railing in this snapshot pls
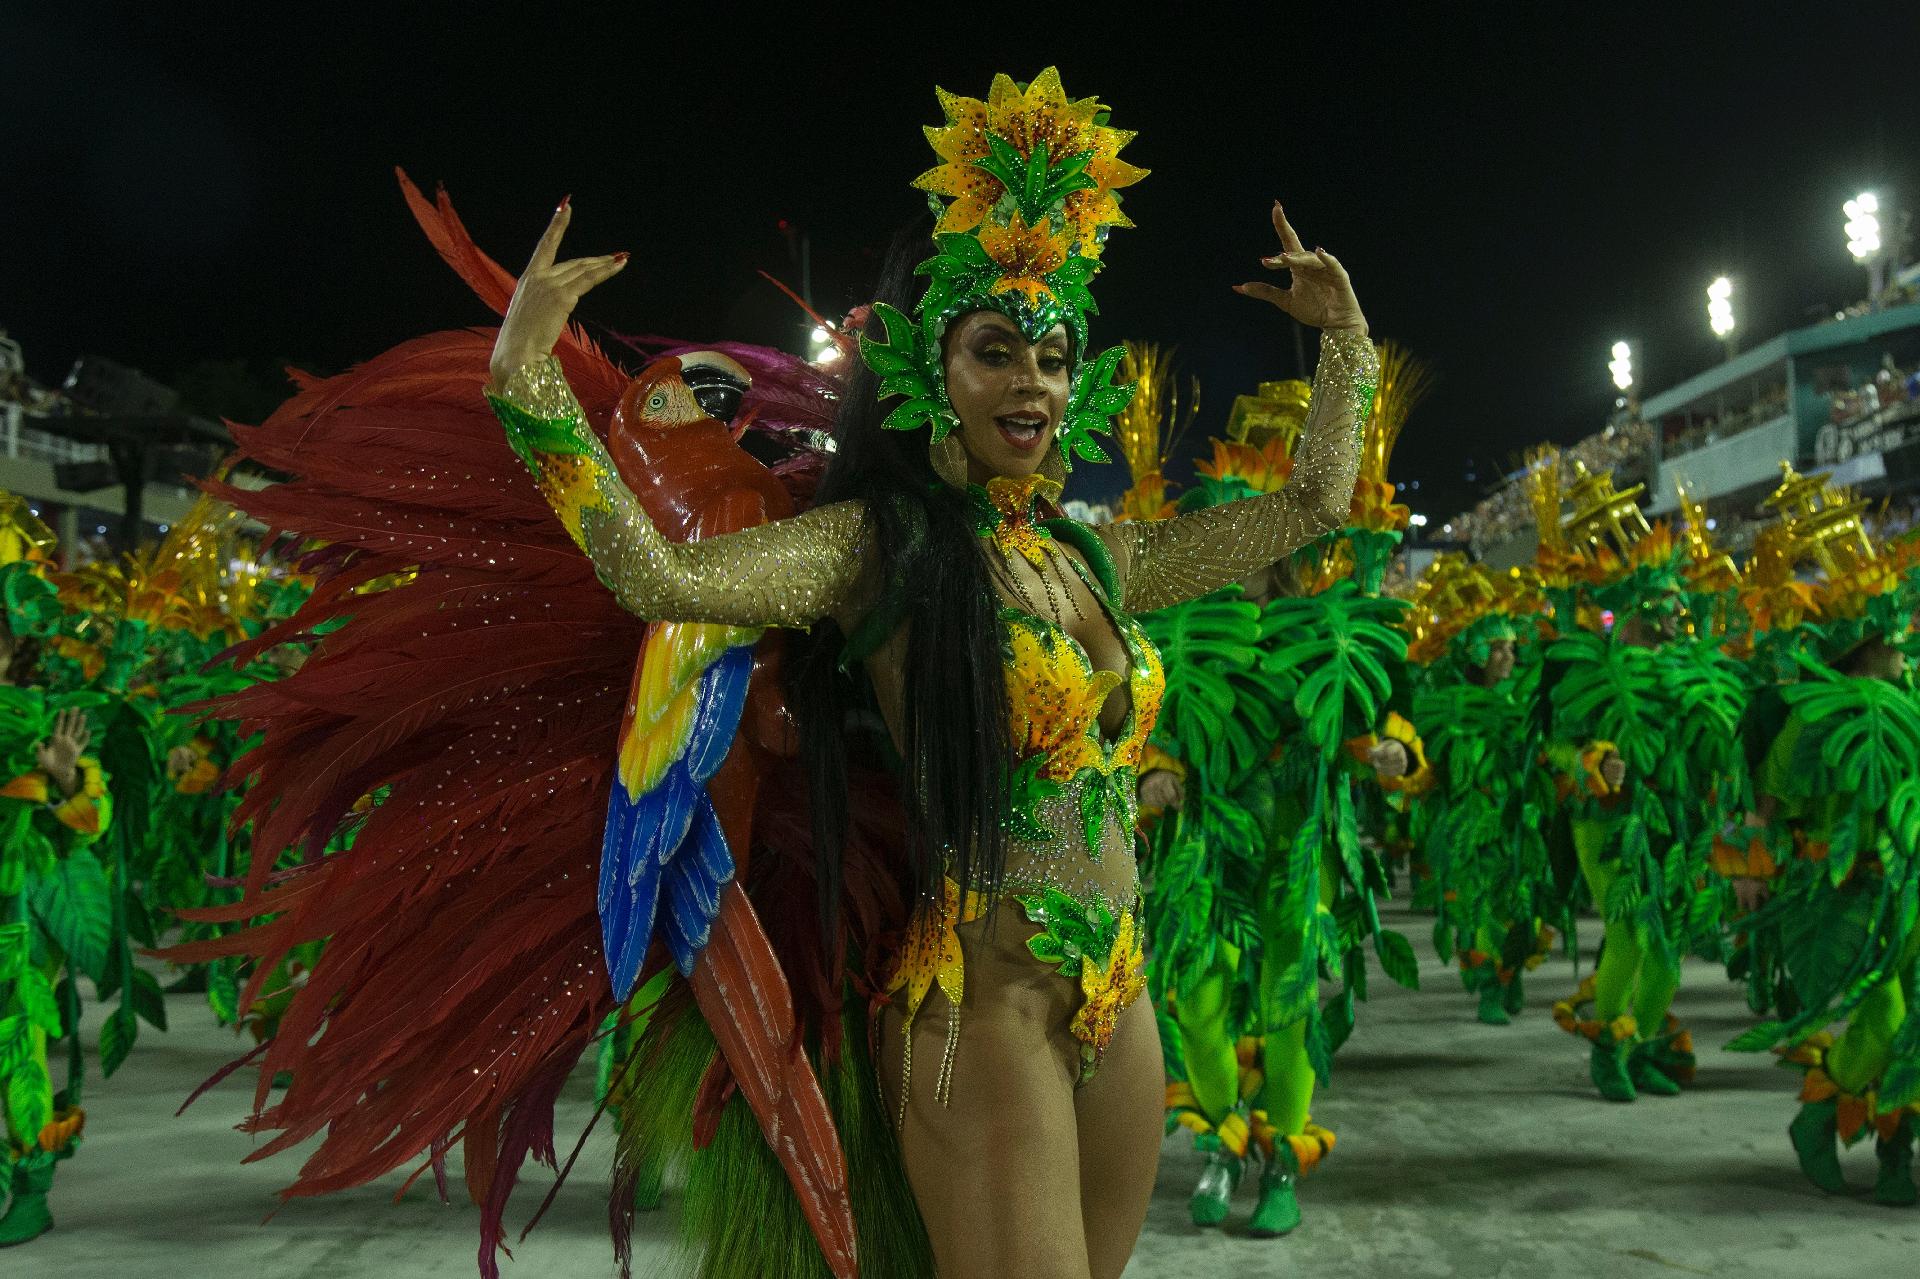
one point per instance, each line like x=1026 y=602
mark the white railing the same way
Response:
x=18 y=440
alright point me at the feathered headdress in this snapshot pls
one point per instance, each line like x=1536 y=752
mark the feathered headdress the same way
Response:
x=1031 y=180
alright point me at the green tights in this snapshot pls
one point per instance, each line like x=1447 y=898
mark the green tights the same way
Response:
x=1863 y=1053
x=1628 y=978
x=1204 y=1016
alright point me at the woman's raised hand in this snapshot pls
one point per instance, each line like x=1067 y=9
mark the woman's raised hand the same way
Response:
x=59 y=755
x=1321 y=296
x=543 y=301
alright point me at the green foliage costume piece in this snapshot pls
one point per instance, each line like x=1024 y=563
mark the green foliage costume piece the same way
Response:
x=1483 y=832
x=63 y=914
x=1846 y=770
x=1673 y=714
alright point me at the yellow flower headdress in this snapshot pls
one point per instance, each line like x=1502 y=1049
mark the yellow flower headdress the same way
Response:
x=1031 y=180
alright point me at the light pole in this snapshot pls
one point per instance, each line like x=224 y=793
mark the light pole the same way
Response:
x=1864 y=241
x=1621 y=365
x=1720 y=313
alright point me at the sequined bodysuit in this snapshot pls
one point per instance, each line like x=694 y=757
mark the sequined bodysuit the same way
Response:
x=1070 y=861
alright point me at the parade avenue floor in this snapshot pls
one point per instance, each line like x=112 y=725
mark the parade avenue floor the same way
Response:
x=1463 y=1150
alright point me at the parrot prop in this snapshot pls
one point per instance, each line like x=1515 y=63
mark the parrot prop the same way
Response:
x=663 y=836
x=471 y=673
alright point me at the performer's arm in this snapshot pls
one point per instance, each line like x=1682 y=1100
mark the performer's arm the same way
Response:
x=786 y=573
x=1164 y=562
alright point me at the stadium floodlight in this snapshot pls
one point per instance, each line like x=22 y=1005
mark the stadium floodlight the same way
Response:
x=1720 y=306
x=1863 y=225
x=1621 y=365
x=1417 y=520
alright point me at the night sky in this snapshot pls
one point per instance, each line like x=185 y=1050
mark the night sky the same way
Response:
x=1511 y=193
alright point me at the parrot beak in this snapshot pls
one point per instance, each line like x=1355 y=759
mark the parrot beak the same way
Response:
x=718 y=383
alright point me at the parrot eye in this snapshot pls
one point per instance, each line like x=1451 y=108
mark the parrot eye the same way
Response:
x=657 y=401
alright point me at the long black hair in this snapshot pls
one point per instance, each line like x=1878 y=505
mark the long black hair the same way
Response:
x=954 y=735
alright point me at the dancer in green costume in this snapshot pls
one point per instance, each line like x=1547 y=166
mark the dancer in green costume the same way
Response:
x=1644 y=747
x=1840 y=795
x=56 y=916
x=1260 y=878
x=1483 y=831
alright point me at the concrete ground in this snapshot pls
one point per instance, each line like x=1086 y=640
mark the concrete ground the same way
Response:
x=1464 y=1150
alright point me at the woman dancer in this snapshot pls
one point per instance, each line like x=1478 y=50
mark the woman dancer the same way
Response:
x=999 y=645
x=994 y=642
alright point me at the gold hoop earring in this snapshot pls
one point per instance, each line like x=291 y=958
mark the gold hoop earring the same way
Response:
x=949 y=460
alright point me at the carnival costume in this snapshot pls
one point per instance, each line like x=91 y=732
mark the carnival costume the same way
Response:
x=1483 y=832
x=1261 y=879
x=1669 y=706
x=58 y=915
x=467 y=966
x=1845 y=837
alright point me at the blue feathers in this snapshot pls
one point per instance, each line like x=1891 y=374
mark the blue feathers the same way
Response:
x=667 y=843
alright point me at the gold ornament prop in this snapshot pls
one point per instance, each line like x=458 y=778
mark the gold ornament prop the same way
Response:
x=1708 y=567
x=23 y=535
x=1151 y=425
x=1405 y=380
x=1274 y=410
x=1603 y=518
x=1544 y=496
x=1821 y=522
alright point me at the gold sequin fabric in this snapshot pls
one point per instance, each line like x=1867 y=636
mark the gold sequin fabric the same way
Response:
x=1167 y=562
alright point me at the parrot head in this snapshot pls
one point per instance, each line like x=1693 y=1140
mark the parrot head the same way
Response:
x=682 y=390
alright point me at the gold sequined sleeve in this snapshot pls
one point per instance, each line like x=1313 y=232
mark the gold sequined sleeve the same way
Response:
x=786 y=573
x=1165 y=562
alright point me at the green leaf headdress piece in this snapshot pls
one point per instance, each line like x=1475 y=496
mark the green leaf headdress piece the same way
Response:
x=1030 y=181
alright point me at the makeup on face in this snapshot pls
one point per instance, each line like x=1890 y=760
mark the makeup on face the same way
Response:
x=1010 y=394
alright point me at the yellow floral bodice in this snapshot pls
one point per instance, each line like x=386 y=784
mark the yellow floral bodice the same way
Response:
x=1073 y=790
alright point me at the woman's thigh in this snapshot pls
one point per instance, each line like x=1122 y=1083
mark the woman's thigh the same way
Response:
x=1120 y=1120
x=995 y=1169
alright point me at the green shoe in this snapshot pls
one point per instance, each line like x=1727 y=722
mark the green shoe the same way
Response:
x=1894 y=1186
x=1493 y=1006
x=27 y=1216
x=1815 y=1136
x=1516 y=996
x=1608 y=1069
x=1644 y=1069
x=1278 y=1212
x=1213 y=1193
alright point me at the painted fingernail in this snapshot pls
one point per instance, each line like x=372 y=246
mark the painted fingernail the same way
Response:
x=621 y=257
x=565 y=200
x=1278 y=259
